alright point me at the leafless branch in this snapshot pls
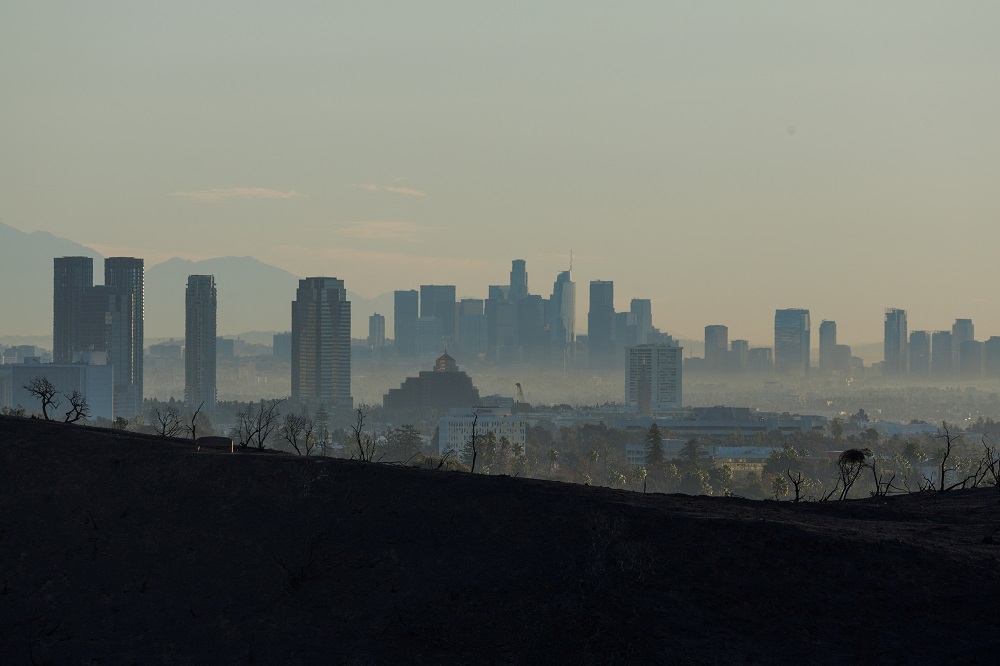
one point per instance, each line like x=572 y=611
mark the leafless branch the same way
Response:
x=78 y=407
x=44 y=390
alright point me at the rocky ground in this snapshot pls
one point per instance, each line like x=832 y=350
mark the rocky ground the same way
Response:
x=130 y=549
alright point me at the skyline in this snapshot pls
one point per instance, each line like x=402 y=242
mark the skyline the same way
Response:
x=723 y=161
x=582 y=312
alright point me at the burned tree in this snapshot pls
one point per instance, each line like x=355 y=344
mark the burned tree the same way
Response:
x=365 y=442
x=166 y=421
x=45 y=391
x=78 y=407
x=298 y=431
x=256 y=423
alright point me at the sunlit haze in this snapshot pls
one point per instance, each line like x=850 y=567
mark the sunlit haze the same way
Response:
x=722 y=159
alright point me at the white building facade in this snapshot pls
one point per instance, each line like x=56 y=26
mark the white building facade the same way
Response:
x=455 y=428
x=653 y=378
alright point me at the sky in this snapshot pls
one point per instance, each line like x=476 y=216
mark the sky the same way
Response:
x=721 y=158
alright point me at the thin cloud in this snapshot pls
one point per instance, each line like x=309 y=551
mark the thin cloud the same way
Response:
x=223 y=194
x=383 y=231
x=394 y=189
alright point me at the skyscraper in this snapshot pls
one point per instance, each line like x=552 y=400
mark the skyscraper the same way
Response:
x=200 y=308
x=562 y=323
x=970 y=360
x=405 y=312
x=125 y=274
x=895 y=340
x=962 y=331
x=532 y=336
x=72 y=276
x=321 y=342
x=653 y=378
x=601 y=323
x=501 y=323
x=438 y=300
x=920 y=353
x=716 y=347
x=518 y=280
x=827 y=341
x=991 y=357
x=739 y=351
x=472 y=327
x=376 y=331
x=791 y=341
x=942 y=358
x=642 y=310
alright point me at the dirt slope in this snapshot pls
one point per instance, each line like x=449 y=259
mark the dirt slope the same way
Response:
x=120 y=549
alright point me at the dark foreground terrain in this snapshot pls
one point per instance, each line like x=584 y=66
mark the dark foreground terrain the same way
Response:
x=121 y=549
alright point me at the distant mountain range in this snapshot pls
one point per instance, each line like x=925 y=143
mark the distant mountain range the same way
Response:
x=26 y=278
x=253 y=296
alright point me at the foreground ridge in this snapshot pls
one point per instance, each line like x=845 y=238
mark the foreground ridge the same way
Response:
x=128 y=547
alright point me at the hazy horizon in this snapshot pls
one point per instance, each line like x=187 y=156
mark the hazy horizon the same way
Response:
x=722 y=160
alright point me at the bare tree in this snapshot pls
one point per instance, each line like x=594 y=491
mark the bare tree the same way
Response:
x=365 y=442
x=949 y=443
x=44 y=390
x=193 y=426
x=78 y=407
x=298 y=431
x=256 y=423
x=990 y=464
x=167 y=421
x=472 y=444
x=797 y=482
x=882 y=487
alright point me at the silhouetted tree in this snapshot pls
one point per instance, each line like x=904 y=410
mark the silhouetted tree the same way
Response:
x=472 y=444
x=364 y=441
x=193 y=426
x=298 y=431
x=256 y=422
x=850 y=464
x=950 y=441
x=78 y=407
x=654 y=445
x=166 y=421
x=46 y=392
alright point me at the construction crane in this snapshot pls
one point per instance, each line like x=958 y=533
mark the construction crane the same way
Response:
x=520 y=392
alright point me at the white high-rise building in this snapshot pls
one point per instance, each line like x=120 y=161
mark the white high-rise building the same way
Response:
x=653 y=378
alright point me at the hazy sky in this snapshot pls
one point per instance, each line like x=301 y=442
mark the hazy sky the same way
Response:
x=721 y=158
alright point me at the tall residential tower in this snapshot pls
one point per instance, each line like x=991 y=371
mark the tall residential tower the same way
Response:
x=200 y=307
x=125 y=275
x=72 y=277
x=321 y=342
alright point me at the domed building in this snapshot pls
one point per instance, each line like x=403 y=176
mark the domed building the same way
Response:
x=444 y=387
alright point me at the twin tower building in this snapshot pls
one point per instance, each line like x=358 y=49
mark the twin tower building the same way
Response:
x=103 y=325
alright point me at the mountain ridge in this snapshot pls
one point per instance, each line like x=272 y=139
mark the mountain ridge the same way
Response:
x=253 y=295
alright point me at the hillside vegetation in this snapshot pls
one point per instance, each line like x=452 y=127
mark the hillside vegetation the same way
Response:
x=119 y=548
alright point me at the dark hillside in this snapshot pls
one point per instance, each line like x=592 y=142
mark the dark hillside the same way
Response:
x=120 y=549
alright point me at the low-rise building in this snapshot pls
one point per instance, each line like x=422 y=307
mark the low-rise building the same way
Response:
x=455 y=427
